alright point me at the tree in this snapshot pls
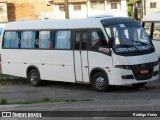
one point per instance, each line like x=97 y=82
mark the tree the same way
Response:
x=130 y=2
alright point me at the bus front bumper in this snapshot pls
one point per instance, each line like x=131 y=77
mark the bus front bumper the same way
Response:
x=118 y=76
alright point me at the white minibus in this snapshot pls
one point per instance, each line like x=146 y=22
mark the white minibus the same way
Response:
x=151 y=23
x=100 y=51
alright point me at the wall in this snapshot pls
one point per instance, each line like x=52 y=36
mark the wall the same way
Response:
x=28 y=9
x=151 y=10
x=87 y=10
x=20 y=11
x=3 y=12
x=42 y=10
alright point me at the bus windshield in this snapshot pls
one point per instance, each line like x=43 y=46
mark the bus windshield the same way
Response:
x=129 y=35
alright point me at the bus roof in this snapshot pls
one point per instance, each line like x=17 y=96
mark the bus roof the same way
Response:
x=152 y=17
x=94 y=22
x=2 y=25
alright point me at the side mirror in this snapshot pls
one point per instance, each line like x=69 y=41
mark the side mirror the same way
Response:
x=149 y=37
x=110 y=42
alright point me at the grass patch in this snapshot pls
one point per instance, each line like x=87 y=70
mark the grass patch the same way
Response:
x=4 y=75
x=43 y=100
x=46 y=99
x=3 y=101
x=86 y=100
x=11 y=80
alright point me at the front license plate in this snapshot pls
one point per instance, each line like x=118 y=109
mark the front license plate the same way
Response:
x=144 y=71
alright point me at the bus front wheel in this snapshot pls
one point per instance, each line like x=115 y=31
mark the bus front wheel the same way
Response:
x=100 y=82
x=34 y=78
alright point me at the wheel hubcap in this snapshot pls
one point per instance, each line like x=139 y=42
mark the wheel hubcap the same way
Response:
x=99 y=82
x=33 y=78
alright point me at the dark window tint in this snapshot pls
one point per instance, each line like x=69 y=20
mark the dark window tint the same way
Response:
x=77 y=41
x=84 y=40
x=113 y=5
x=97 y=39
x=152 y=4
x=77 y=7
x=81 y=40
x=11 y=40
x=61 y=8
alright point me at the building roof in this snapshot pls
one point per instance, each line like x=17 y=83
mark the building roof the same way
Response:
x=152 y=17
x=2 y=25
x=69 y=1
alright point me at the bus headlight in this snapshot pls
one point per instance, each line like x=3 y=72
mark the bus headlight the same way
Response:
x=123 y=66
x=156 y=63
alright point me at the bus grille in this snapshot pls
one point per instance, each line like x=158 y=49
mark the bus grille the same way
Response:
x=140 y=67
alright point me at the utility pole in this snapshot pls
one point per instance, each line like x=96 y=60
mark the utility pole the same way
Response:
x=144 y=7
x=66 y=9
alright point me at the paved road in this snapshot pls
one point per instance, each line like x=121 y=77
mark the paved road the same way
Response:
x=61 y=90
x=119 y=98
x=127 y=105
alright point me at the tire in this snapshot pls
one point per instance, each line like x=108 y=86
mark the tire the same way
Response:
x=34 y=78
x=139 y=85
x=100 y=82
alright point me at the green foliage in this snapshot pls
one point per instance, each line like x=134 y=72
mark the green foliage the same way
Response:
x=132 y=1
x=11 y=80
x=129 y=7
x=46 y=99
x=3 y=101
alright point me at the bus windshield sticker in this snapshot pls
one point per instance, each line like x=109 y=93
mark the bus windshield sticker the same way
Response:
x=131 y=49
x=122 y=25
x=105 y=50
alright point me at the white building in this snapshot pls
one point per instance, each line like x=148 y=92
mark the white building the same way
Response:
x=85 y=8
x=150 y=6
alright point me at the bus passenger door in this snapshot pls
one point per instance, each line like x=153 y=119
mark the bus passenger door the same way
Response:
x=81 y=56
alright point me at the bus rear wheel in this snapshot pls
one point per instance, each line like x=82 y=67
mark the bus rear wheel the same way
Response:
x=139 y=85
x=100 y=82
x=34 y=78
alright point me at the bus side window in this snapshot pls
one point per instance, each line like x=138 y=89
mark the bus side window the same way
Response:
x=147 y=27
x=44 y=39
x=63 y=39
x=84 y=40
x=156 y=31
x=77 y=41
x=28 y=39
x=11 y=39
x=37 y=40
x=97 y=39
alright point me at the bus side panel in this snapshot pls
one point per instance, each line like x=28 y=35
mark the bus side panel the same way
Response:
x=59 y=66
x=85 y=66
x=156 y=44
x=99 y=60
x=52 y=64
